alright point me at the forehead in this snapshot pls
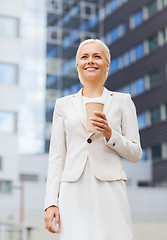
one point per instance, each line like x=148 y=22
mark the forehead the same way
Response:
x=92 y=47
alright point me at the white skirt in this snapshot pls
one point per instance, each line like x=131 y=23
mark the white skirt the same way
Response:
x=91 y=209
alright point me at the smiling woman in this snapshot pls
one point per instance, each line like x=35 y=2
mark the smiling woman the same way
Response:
x=86 y=189
x=93 y=53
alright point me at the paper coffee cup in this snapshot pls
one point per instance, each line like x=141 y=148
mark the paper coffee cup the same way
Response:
x=90 y=108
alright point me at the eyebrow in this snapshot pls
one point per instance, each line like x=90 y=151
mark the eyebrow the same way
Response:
x=93 y=54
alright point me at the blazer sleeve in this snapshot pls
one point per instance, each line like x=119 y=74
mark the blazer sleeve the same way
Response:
x=127 y=144
x=57 y=153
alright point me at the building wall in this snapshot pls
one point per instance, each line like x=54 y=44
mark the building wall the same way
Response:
x=9 y=102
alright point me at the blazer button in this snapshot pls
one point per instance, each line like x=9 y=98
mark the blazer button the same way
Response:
x=89 y=140
x=113 y=144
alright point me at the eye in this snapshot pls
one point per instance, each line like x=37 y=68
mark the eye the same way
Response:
x=83 y=57
x=97 y=56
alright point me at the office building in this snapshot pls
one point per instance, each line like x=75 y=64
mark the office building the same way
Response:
x=9 y=104
x=136 y=34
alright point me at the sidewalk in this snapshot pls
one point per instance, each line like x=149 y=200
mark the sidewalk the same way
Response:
x=142 y=231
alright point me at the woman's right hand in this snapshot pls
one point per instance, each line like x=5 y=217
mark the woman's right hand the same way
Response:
x=51 y=213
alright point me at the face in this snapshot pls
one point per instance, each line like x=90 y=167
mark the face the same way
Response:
x=92 y=63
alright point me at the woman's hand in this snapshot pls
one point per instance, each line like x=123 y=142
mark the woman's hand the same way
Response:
x=101 y=124
x=51 y=213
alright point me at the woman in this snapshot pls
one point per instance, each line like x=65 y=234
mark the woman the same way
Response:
x=86 y=191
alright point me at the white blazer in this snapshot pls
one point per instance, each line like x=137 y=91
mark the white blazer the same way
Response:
x=69 y=147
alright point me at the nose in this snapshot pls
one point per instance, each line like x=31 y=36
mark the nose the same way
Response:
x=90 y=59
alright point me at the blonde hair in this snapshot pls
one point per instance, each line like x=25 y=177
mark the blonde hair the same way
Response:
x=106 y=52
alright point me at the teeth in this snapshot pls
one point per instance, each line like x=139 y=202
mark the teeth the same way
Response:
x=90 y=68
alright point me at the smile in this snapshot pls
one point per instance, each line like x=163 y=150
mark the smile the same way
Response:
x=91 y=69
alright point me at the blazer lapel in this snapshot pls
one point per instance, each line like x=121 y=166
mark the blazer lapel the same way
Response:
x=107 y=98
x=78 y=105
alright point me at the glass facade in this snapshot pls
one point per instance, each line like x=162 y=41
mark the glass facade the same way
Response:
x=156 y=153
x=155 y=115
x=136 y=53
x=110 y=7
x=144 y=155
x=8 y=73
x=114 y=65
x=154 y=78
x=69 y=23
x=115 y=34
x=9 y=27
x=0 y=163
x=140 y=86
x=32 y=77
x=152 y=8
x=142 y=121
x=153 y=42
x=7 y=122
x=5 y=186
x=139 y=51
x=126 y=89
x=137 y=18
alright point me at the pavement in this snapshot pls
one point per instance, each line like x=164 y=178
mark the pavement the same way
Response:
x=142 y=231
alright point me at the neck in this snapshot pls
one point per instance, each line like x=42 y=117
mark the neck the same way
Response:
x=90 y=90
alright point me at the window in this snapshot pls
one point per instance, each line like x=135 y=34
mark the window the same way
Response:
x=140 y=86
x=113 y=5
x=114 y=65
x=75 y=87
x=139 y=51
x=5 y=186
x=154 y=78
x=0 y=163
x=166 y=150
x=122 y=29
x=126 y=59
x=8 y=27
x=87 y=9
x=137 y=18
x=92 y=22
x=75 y=10
x=8 y=73
x=66 y=42
x=156 y=153
x=166 y=109
x=144 y=155
x=7 y=122
x=114 y=34
x=142 y=122
x=52 y=51
x=54 y=4
x=152 y=8
x=153 y=42
x=155 y=115
x=163 y=3
x=51 y=81
x=127 y=89
x=164 y=35
x=29 y=177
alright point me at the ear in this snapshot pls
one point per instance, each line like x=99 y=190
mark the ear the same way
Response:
x=107 y=66
x=77 y=67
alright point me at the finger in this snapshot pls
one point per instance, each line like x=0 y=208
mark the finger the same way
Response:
x=100 y=125
x=101 y=114
x=100 y=129
x=49 y=225
x=57 y=222
x=99 y=120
